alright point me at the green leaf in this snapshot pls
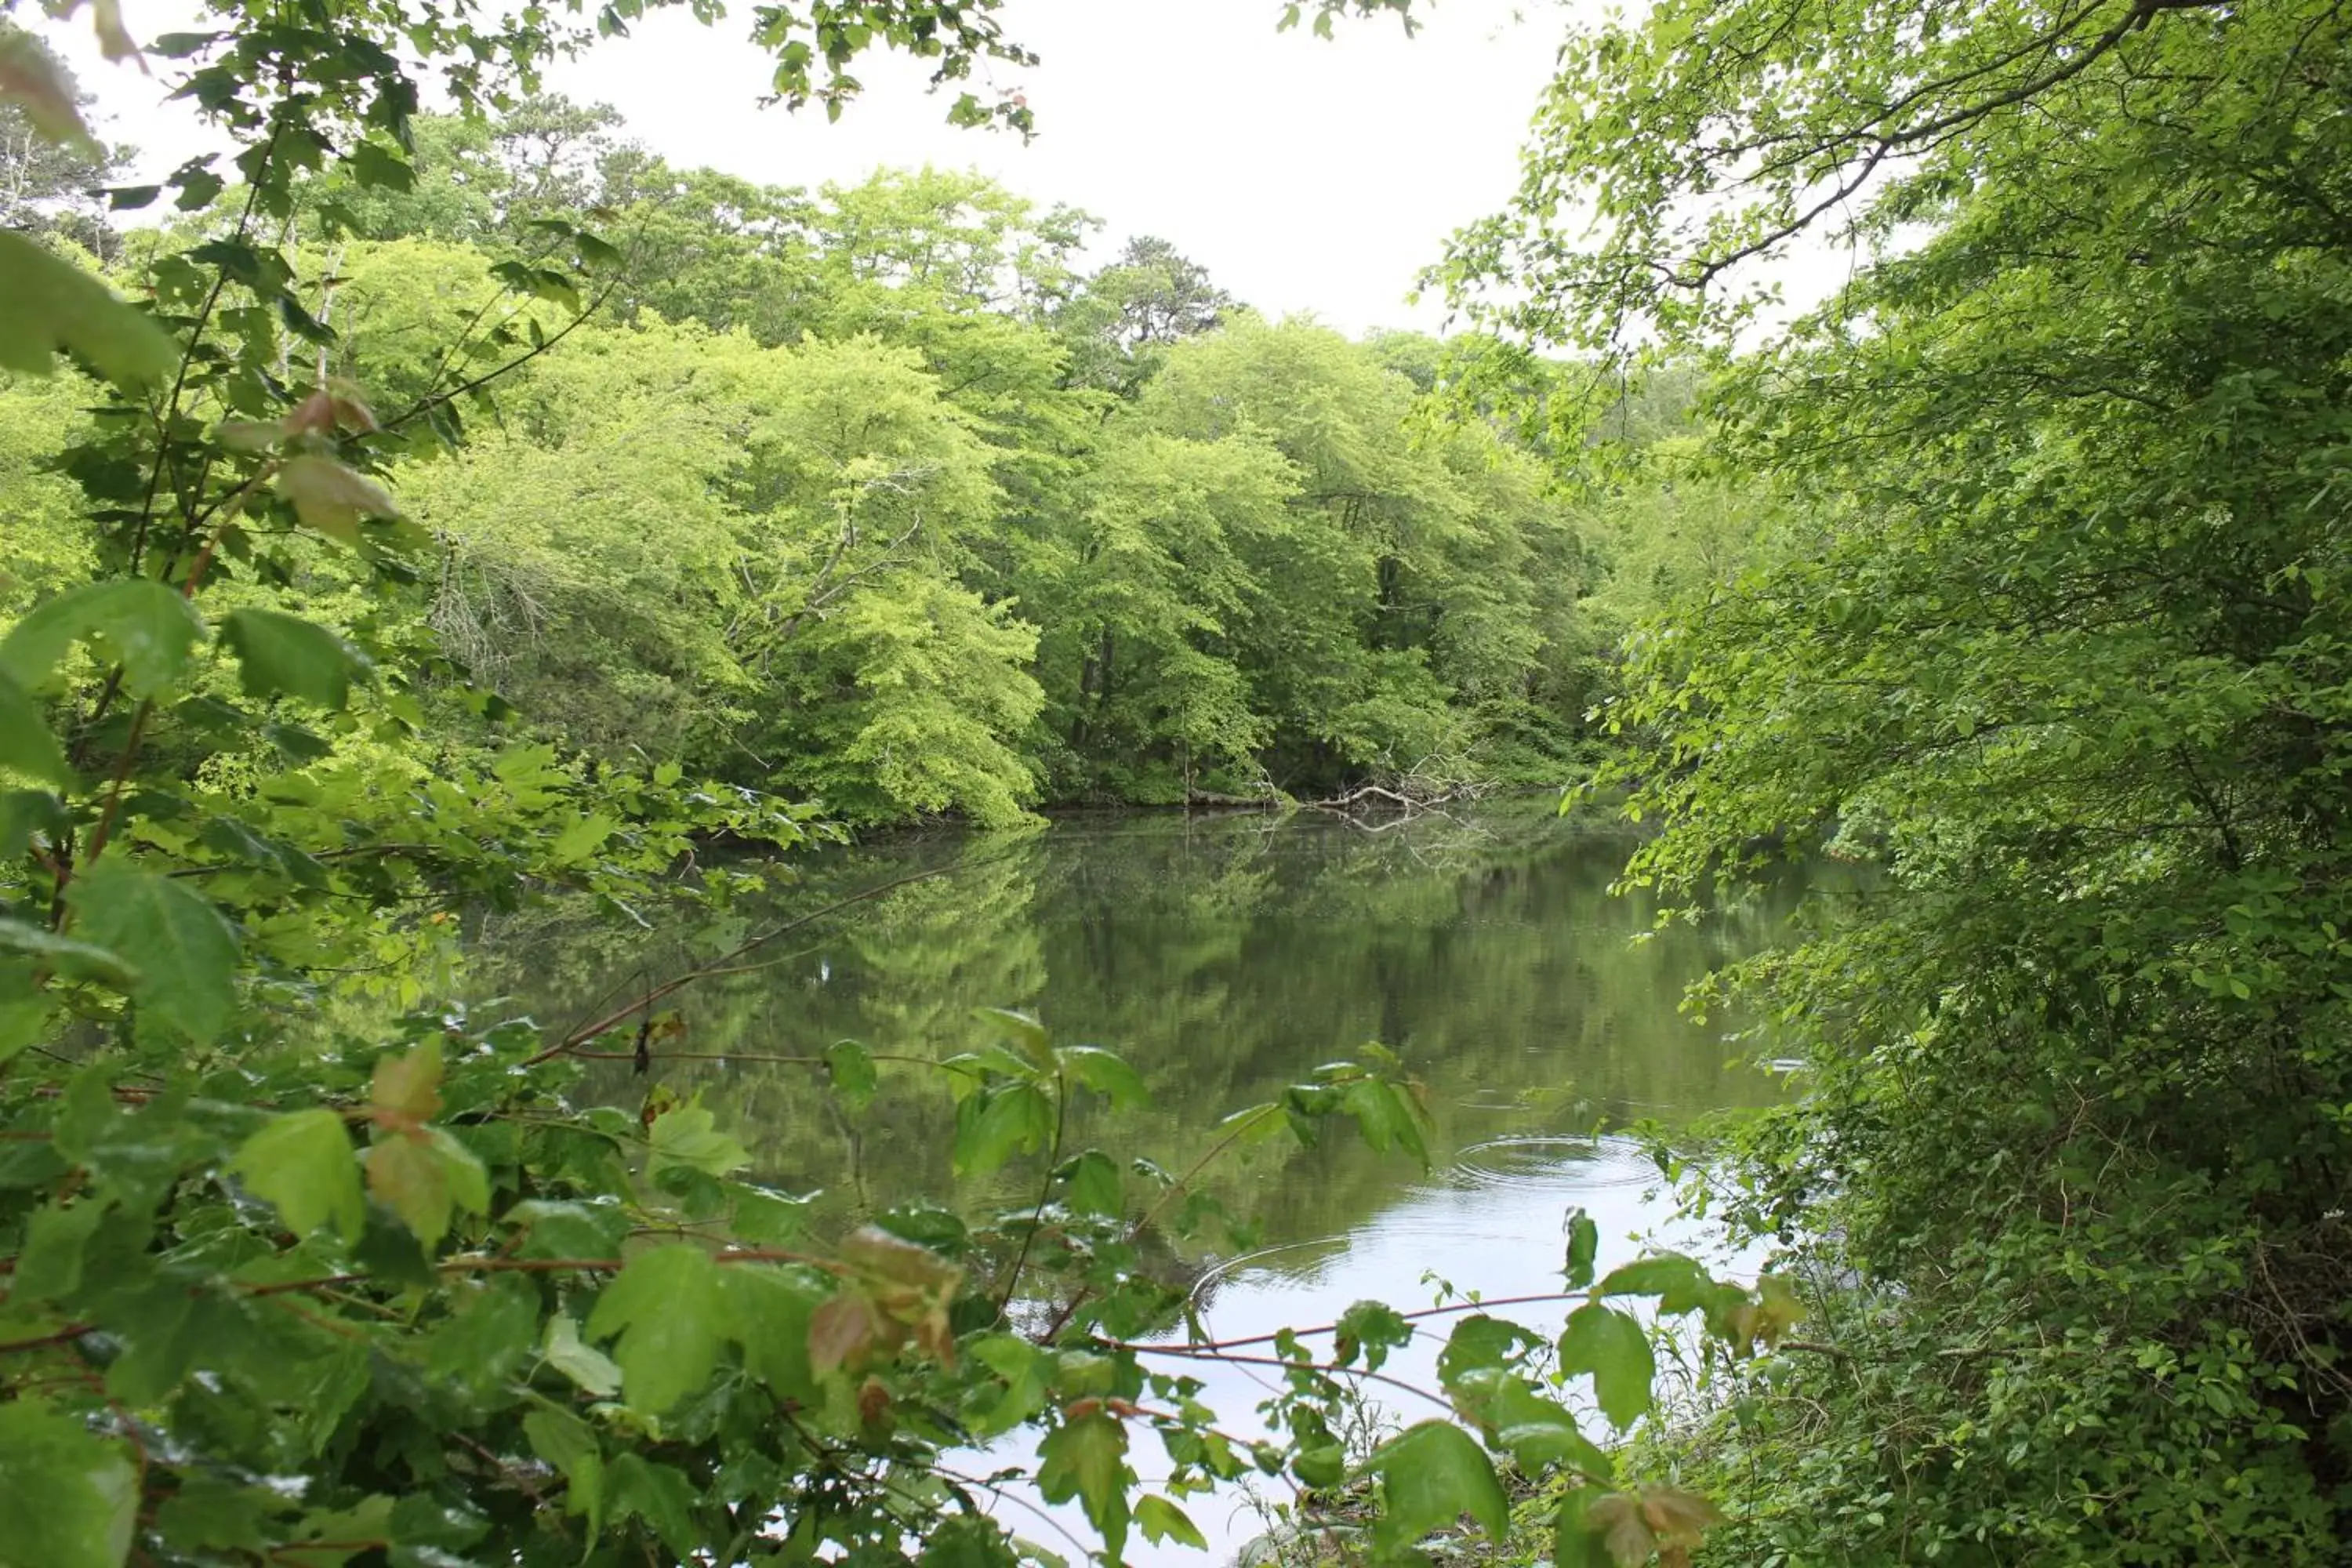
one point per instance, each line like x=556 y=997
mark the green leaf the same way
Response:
x=1481 y=1342
x=567 y=1353
x=26 y=747
x=851 y=1068
x=1576 y=1541
x=1087 y=1459
x=670 y=1311
x=1160 y=1519
x=32 y=79
x=69 y=1497
x=74 y=960
x=1384 y=1117
x=1370 y=1329
x=569 y=1444
x=688 y=1136
x=770 y=1311
x=282 y=655
x=1613 y=1348
x=47 y=305
x=1432 y=1474
x=331 y=498
x=1106 y=1073
x=145 y=626
x=1666 y=1273
x=658 y=1494
x=425 y=1175
x=992 y=1126
x=1024 y=1032
x=1028 y=1383
x=185 y=950
x=493 y=1334
x=304 y=1163
x=1092 y=1186
x=1583 y=1247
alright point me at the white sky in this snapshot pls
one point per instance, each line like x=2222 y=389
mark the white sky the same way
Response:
x=1305 y=175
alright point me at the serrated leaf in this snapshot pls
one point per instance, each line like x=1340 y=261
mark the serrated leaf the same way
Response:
x=690 y=1136
x=669 y=1311
x=1027 y=1033
x=50 y=306
x=145 y=626
x=425 y=1176
x=331 y=498
x=33 y=79
x=992 y=1126
x=64 y=955
x=1624 y=1535
x=1160 y=1519
x=1106 y=1073
x=1434 y=1473
x=771 y=1311
x=1613 y=1348
x=69 y=1497
x=27 y=746
x=404 y=1092
x=563 y=1349
x=1091 y=1184
x=1663 y=1274
x=851 y=1068
x=1370 y=1328
x=304 y=1163
x=186 y=950
x=282 y=655
x=1087 y=1459
x=1583 y=1247
x=842 y=1331
x=1576 y=1541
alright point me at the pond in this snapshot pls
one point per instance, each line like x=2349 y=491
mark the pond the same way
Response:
x=1225 y=957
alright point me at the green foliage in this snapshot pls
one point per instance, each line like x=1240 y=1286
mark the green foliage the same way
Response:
x=2045 y=626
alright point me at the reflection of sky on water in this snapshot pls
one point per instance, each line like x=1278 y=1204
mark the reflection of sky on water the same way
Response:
x=1494 y=1221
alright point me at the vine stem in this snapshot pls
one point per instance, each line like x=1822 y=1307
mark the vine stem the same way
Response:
x=1202 y=1346
x=1037 y=1217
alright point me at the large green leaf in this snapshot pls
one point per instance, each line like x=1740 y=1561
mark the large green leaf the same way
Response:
x=1087 y=1459
x=185 y=949
x=671 y=1313
x=1615 y=1349
x=304 y=1163
x=48 y=305
x=690 y=1136
x=26 y=747
x=1432 y=1474
x=770 y=1312
x=145 y=626
x=282 y=655
x=69 y=1497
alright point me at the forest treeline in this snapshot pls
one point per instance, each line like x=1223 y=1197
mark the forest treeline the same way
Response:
x=877 y=496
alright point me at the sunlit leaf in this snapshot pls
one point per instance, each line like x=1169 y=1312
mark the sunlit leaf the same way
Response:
x=1615 y=1350
x=26 y=747
x=331 y=498
x=1087 y=1459
x=69 y=1497
x=690 y=1136
x=143 y=625
x=48 y=306
x=303 y=1161
x=185 y=950
x=283 y=655
x=1434 y=1473
x=1160 y=1519
x=670 y=1312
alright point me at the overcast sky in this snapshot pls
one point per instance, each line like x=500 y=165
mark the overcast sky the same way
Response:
x=1306 y=175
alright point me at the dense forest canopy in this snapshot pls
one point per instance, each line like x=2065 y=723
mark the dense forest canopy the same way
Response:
x=434 y=513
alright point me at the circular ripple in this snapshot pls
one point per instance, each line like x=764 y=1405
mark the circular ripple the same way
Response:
x=1548 y=1165
x=1288 y=1259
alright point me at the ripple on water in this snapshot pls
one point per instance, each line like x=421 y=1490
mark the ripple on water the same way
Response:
x=1552 y=1164
x=1287 y=1261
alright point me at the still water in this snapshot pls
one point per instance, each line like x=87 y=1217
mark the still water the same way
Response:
x=1225 y=957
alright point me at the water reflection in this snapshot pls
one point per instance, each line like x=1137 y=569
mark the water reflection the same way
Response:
x=1225 y=958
